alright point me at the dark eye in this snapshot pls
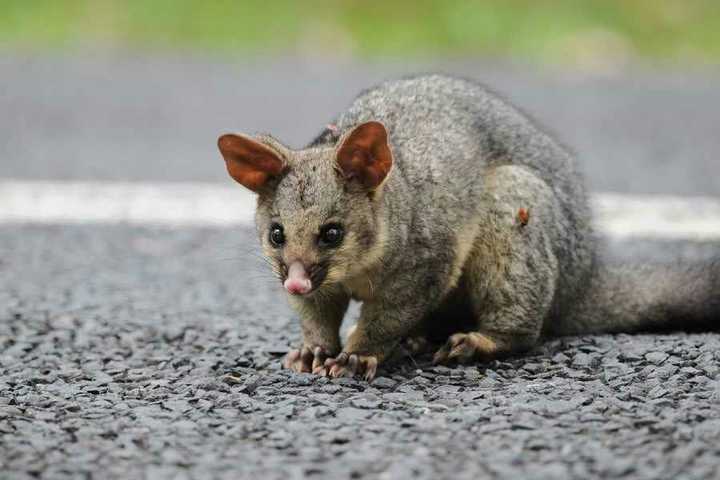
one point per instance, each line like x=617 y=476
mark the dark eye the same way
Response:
x=277 y=236
x=330 y=235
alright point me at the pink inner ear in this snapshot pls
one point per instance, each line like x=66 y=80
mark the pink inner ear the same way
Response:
x=365 y=155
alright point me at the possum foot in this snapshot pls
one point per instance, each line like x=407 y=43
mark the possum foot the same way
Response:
x=306 y=359
x=466 y=348
x=352 y=364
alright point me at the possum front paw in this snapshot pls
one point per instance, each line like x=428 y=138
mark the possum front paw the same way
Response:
x=351 y=364
x=307 y=359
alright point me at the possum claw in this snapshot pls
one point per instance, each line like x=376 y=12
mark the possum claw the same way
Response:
x=351 y=365
x=465 y=348
x=306 y=359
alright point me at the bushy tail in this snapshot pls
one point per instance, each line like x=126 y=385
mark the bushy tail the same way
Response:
x=632 y=298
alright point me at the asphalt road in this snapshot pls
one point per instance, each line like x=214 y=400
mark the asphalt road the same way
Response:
x=153 y=353
x=127 y=118
x=147 y=352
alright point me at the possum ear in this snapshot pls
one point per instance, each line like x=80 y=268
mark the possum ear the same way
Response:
x=250 y=162
x=364 y=155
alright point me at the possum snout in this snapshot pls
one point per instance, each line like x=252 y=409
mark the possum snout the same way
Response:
x=298 y=281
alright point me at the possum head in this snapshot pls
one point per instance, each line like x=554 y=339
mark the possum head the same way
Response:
x=317 y=209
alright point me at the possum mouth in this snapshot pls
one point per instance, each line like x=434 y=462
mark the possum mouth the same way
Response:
x=301 y=280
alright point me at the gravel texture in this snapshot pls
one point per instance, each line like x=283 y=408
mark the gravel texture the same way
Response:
x=152 y=353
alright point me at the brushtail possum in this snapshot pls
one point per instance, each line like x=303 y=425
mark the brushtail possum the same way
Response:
x=449 y=214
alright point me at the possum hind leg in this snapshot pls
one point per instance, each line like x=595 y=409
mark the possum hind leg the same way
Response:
x=511 y=274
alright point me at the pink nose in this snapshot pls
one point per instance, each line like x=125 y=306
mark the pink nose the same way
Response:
x=297 y=282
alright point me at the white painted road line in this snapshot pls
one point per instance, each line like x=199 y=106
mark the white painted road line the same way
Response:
x=192 y=204
x=663 y=216
x=208 y=204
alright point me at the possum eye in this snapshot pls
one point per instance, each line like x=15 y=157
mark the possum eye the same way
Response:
x=330 y=235
x=277 y=235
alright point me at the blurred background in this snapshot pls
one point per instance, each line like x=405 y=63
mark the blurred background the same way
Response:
x=139 y=90
x=577 y=32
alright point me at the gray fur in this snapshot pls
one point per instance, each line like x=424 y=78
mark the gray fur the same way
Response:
x=439 y=245
x=634 y=298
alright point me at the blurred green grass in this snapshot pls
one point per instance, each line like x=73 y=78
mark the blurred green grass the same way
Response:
x=561 y=31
